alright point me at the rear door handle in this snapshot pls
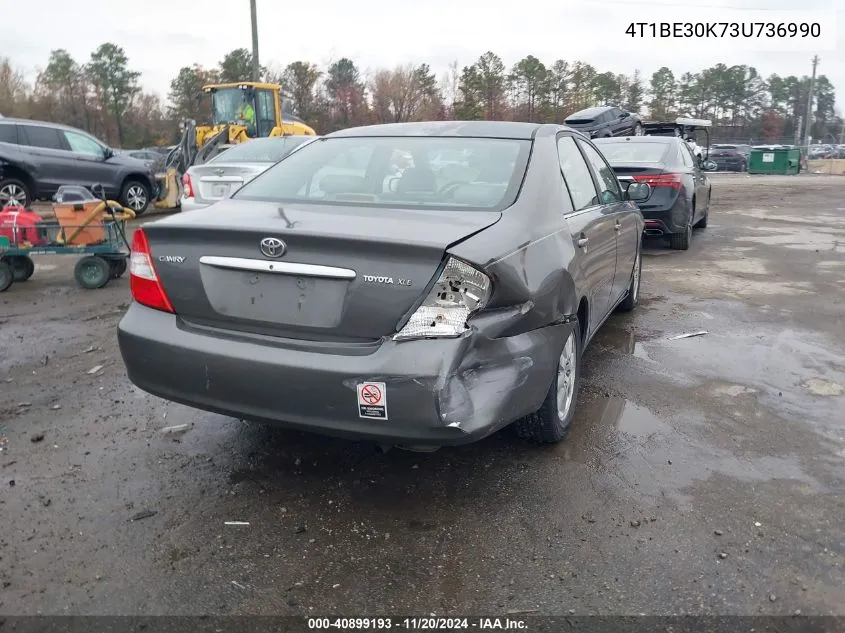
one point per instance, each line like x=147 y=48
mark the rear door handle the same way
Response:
x=583 y=242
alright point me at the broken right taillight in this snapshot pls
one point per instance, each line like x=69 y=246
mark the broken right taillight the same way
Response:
x=460 y=291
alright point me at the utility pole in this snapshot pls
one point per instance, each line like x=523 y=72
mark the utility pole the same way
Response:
x=256 y=67
x=809 y=120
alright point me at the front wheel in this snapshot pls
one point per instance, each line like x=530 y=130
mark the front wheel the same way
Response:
x=22 y=266
x=552 y=421
x=135 y=195
x=7 y=276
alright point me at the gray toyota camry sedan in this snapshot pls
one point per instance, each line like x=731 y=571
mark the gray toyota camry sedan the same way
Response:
x=413 y=284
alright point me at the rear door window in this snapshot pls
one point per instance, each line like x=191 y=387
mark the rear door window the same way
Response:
x=8 y=133
x=41 y=136
x=610 y=191
x=576 y=174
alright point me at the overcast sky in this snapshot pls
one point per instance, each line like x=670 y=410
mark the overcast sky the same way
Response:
x=160 y=36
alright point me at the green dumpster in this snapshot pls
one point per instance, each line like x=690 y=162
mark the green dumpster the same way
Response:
x=775 y=160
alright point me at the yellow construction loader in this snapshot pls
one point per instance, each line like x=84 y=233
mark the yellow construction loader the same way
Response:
x=239 y=112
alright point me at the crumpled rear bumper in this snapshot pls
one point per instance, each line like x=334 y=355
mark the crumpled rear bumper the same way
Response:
x=437 y=392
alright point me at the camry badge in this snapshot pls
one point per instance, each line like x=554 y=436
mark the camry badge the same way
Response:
x=272 y=247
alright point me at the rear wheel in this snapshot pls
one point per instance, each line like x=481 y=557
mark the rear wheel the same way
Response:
x=14 y=191
x=552 y=421
x=22 y=266
x=117 y=267
x=681 y=241
x=92 y=272
x=702 y=223
x=633 y=297
x=7 y=276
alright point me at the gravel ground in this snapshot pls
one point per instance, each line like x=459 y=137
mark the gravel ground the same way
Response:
x=703 y=475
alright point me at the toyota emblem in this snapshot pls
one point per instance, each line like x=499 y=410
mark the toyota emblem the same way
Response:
x=273 y=247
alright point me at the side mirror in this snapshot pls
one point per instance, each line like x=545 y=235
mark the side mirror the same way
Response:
x=393 y=184
x=709 y=165
x=98 y=191
x=108 y=152
x=638 y=191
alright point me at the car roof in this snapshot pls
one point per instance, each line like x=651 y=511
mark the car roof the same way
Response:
x=638 y=139
x=466 y=129
x=589 y=112
x=33 y=122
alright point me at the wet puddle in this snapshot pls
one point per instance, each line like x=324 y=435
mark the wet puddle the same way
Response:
x=665 y=456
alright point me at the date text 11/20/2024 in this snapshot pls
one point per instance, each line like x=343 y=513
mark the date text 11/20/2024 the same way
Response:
x=418 y=624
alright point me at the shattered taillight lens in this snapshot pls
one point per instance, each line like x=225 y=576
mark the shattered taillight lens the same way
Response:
x=460 y=291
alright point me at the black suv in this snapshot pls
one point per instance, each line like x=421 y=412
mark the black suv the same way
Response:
x=37 y=158
x=605 y=121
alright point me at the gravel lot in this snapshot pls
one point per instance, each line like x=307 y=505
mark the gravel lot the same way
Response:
x=703 y=475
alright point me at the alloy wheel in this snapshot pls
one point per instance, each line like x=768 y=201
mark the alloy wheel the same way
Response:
x=136 y=197
x=635 y=284
x=566 y=377
x=12 y=193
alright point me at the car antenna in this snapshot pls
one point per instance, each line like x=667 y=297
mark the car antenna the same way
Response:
x=284 y=216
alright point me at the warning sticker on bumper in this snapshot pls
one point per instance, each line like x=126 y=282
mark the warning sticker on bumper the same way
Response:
x=372 y=400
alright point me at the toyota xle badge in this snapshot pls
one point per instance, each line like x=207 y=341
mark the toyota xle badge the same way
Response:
x=272 y=247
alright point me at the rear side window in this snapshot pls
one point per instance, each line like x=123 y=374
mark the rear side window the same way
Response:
x=606 y=176
x=8 y=133
x=41 y=136
x=686 y=156
x=576 y=174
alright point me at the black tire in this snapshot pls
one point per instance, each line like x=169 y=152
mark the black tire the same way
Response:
x=22 y=266
x=702 y=223
x=117 y=266
x=682 y=241
x=14 y=188
x=7 y=276
x=135 y=195
x=546 y=426
x=633 y=297
x=92 y=272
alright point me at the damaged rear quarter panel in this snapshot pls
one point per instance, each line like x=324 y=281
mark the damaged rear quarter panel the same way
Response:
x=529 y=253
x=511 y=353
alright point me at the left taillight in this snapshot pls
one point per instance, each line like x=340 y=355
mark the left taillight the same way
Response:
x=144 y=282
x=187 y=186
x=674 y=181
x=460 y=291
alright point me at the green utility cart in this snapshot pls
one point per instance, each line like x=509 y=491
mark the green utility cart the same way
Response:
x=775 y=160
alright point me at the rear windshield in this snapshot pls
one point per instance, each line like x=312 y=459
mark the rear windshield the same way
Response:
x=261 y=150
x=434 y=172
x=632 y=151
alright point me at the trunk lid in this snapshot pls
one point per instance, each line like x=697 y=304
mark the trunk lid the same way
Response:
x=346 y=273
x=215 y=181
